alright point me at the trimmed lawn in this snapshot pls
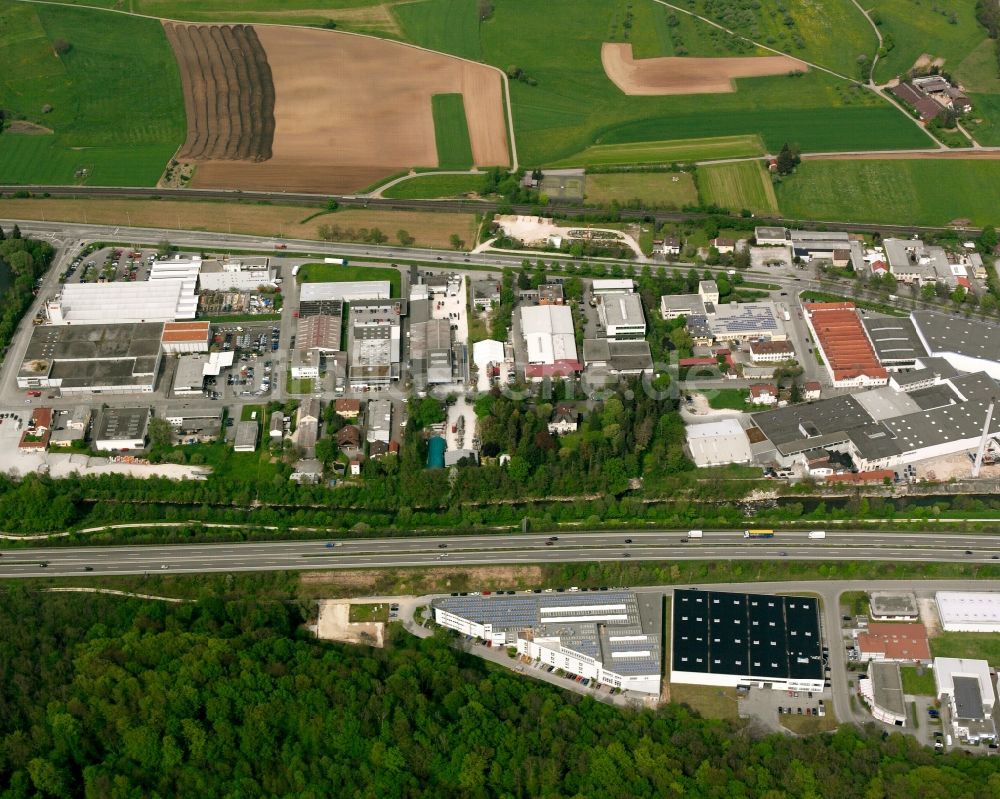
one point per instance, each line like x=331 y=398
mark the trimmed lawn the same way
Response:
x=451 y=132
x=809 y=725
x=368 y=613
x=117 y=113
x=918 y=684
x=335 y=273
x=733 y=399
x=665 y=189
x=738 y=186
x=940 y=30
x=709 y=701
x=435 y=186
x=298 y=385
x=666 y=152
x=921 y=192
x=984 y=646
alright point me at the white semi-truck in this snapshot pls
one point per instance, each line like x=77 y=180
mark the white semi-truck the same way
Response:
x=694 y=533
x=817 y=534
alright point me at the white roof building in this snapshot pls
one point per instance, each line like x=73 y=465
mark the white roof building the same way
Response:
x=716 y=443
x=969 y=611
x=160 y=300
x=236 y=275
x=967 y=686
x=613 y=286
x=348 y=291
x=549 y=339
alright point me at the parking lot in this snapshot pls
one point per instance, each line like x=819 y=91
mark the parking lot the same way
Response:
x=111 y=264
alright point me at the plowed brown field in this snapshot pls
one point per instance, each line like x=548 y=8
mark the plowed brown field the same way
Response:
x=350 y=109
x=228 y=92
x=661 y=76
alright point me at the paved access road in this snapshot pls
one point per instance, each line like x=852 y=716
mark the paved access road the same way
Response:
x=486 y=550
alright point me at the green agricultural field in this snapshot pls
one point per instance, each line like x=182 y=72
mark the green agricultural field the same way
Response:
x=654 y=189
x=365 y=16
x=831 y=33
x=978 y=71
x=451 y=26
x=431 y=187
x=926 y=192
x=666 y=152
x=737 y=186
x=115 y=96
x=922 y=27
x=451 y=132
x=335 y=273
x=564 y=102
x=660 y=31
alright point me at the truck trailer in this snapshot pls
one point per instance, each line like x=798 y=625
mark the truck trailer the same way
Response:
x=817 y=534
x=758 y=533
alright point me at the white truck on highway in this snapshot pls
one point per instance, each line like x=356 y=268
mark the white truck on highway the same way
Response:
x=817 y=534
x=695 y=533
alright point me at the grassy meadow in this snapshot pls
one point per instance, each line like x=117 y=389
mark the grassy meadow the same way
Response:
x=119 y=118
x=451 y=26
x=654 y=189
x=831 y=33
x=927 y=192
x=920 y=27
x=433 y=187
x=337 y=273
x=666 y=152
x=451 y=132
x=737 y=186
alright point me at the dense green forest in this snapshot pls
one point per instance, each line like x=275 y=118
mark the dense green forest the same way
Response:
x=109 y=697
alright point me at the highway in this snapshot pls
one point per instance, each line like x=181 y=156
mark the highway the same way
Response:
x=486 y=550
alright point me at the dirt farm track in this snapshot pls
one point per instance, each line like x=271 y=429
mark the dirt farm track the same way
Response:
x=347 y=109
x=663 y=76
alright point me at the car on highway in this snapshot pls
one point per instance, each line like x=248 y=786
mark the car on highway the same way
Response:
x=163 y=566
x=783 y=554
x=442 y=546
x=628 y=540
x=88 y=568
x=968 y=552
x=550 y=543
x=553 y=538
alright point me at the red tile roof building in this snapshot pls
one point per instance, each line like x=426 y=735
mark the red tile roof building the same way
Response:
x=900 y=642
x=847 y=353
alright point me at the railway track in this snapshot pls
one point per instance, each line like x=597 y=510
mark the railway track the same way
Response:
x=452 y=206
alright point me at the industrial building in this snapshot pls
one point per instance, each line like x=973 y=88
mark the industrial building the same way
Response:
x=169 y=294
x=966 y=688
x=612 y=285
x=316 y=337
x=189 y=377
x=549 y=340
x=709 y=320
x=374 y=342
x=485 y=293
x=894 y=340
x=969 y=611
x=119 y=429
x=606 y=358
x=246 y=436
x=612 y=637
x=884 y=428
x=903 y=643
x=243 y=274
x=430 y=352
x=621 y=316
x=770 y=236
x=196 y=428
x=350 y=291
x=379 y=421
x=181 y=337
x=718 y=443
x=893 y=606
x=912 y=261
x=968 y=345
x=847 y=354
x=766 y=351
x=92 y=359
x=729 y=639
x=882 y=690
x=307 y=417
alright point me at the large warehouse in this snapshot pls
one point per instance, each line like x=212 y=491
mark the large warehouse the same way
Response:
x=347 y=291
x=609 y=636
x=729 y=639
x=969 y=611
x=967 y=344
x=848 y=355
x=92 y=359
x=717 y=443
x=549 y=340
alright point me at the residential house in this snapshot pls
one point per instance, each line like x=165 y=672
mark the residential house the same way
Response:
x=349 y=440
x=811 y=390
x=565 y=419
x=764 y=394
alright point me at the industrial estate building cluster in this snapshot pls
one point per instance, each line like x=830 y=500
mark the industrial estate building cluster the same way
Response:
x=900 y=389
x=774 y=643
